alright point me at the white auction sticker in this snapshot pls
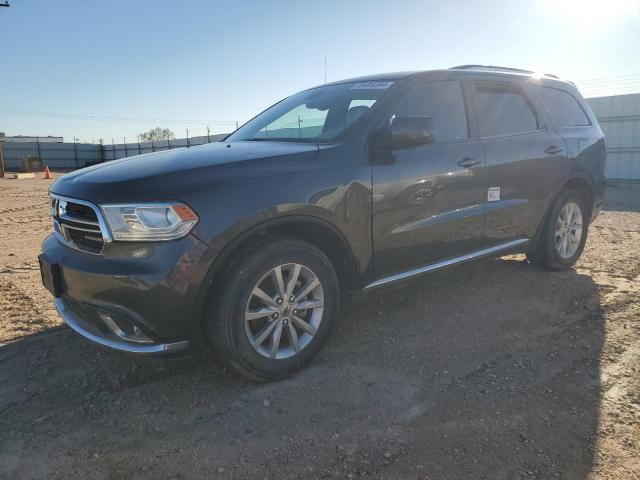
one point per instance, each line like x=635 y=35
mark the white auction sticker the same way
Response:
x=373 y=85
x=493 y=195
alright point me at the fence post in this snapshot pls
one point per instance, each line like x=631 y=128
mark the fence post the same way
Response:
x=39 y=152
x=101 y=151
x=1 y=160
x=153 y=147
x=75 y=152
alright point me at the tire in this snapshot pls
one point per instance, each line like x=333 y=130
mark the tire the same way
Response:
x=229 y=324
x=549 y=252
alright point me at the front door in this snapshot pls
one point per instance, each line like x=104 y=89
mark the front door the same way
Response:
x=428 y=200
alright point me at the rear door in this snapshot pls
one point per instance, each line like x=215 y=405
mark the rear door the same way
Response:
x=582 y=135
x=526 y=158
x=568 y=117
x=428 y=201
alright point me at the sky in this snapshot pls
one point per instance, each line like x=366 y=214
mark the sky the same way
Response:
x=112 y=69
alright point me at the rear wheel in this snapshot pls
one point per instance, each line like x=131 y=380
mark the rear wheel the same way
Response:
x=564 y=233
x=277 y=307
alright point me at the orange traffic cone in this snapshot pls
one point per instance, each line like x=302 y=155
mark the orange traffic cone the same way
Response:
x=47 y=173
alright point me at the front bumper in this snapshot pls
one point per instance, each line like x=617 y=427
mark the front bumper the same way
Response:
x=136 y=298
x=112 y=336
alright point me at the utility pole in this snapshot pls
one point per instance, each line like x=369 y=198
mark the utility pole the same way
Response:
x=325 y=70
x=39 y=152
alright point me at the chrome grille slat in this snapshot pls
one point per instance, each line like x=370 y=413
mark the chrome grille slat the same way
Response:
x=73 y=227
x=78 y=220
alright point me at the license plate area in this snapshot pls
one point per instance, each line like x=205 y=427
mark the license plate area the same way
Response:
x=51 y=276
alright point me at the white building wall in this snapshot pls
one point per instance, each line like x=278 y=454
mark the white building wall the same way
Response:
x=619 y=118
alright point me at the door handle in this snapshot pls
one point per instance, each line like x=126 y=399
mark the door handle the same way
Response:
x=552 y=150
x=468 y=162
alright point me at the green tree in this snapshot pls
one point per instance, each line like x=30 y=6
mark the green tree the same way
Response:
x=156 y=134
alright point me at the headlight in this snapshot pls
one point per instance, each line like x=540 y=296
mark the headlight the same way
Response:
x=151 y=222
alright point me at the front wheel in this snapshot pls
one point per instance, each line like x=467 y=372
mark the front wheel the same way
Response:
x=277 y=306
x=564 y=233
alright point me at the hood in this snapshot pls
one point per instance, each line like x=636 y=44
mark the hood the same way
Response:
x=167 y=173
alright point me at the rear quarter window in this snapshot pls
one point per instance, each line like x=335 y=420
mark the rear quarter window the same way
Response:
x=562 y=107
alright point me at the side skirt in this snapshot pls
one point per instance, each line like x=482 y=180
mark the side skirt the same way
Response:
x=446 y=263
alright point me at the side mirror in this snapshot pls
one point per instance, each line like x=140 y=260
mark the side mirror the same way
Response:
x=411 y=131
x=380 y=152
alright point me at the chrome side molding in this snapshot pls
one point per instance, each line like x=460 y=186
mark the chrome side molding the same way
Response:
x=446 y=263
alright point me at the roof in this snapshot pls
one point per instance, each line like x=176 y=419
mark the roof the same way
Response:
x=512 y=71
x=395 y=76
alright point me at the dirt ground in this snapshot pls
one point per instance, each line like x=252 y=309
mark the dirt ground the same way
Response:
x=492 y=370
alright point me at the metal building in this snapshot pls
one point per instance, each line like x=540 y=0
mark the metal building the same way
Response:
x=619 y=118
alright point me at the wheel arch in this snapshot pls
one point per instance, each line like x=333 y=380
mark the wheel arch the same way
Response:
x=576 y=182
x=315 y=230
x=582 y=185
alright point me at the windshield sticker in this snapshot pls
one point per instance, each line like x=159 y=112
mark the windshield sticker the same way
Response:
x=371 y=85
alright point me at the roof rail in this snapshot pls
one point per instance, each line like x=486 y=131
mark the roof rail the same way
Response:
x=495 y=67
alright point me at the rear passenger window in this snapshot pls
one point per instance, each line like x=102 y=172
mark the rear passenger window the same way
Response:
x=563 y=108
x=444 y=104
x=503 y=110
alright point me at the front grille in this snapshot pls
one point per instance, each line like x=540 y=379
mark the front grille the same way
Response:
x=91 y=241
x=78 y=224
x=81 y=212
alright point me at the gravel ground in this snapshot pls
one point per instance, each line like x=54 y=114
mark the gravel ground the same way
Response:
x=492 y=370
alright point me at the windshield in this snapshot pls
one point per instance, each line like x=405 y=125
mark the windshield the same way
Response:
x=316 y=115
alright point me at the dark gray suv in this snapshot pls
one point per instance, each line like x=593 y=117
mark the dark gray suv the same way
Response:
x=252 y=243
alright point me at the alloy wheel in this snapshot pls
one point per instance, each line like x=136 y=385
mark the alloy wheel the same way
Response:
x=284 y=311
x=568 y=230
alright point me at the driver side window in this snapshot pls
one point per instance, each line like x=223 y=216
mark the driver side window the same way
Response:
x=300 y=122
x=443 y=103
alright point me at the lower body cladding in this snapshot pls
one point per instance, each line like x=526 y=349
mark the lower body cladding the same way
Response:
x=137 y=298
